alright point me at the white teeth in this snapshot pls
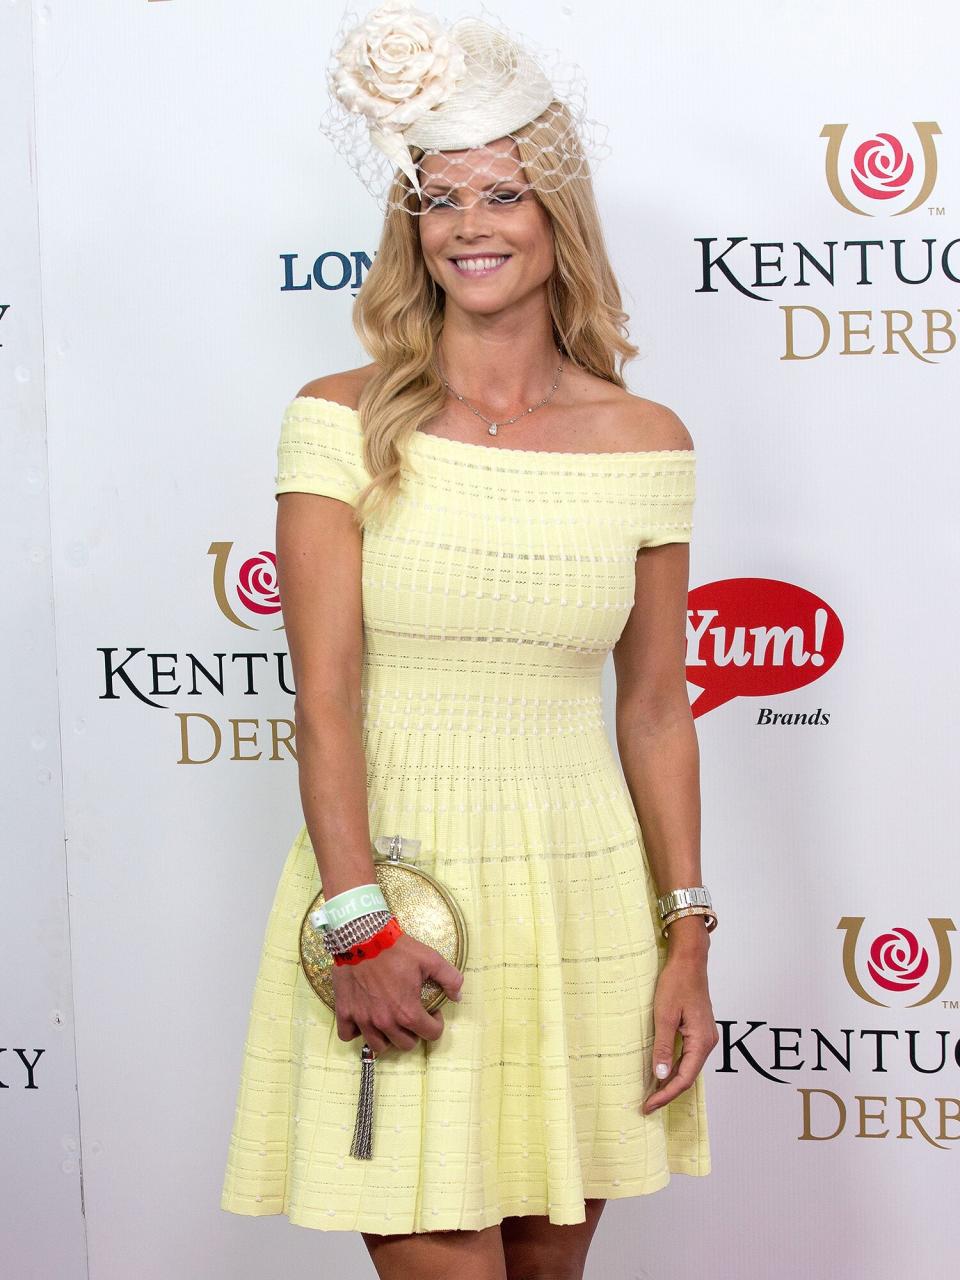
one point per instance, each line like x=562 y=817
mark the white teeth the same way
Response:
x=478 y=264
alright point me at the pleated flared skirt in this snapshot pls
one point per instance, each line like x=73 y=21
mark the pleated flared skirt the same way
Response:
x=529 y=1101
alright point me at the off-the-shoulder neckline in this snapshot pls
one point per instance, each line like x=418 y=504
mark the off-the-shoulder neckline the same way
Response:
x=446 y=442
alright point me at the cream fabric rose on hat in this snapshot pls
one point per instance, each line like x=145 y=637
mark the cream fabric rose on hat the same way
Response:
x=392 y=68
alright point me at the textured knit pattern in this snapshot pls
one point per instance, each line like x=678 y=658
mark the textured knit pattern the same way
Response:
x=492 y=594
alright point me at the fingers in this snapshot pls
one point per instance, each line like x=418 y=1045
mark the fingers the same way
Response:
x=402 y=1028
x=671 y=1088
x=411 y=1023
x=681 y=1009
x=444 y=973
x=666 y=1022
x=347 y=1029
x=429 y=1026
x=382 y=1002
x=381 y=1035
x=378 y=1043
x=685 y=1071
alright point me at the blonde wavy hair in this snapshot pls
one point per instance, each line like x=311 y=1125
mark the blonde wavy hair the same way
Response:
x=398 y=313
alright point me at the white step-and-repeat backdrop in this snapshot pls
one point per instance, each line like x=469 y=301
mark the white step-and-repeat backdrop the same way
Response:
x=181 y=250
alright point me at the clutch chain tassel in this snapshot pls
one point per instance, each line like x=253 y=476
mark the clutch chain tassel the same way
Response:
x=362 y=1147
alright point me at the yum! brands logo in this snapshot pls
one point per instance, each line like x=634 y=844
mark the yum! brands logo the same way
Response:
x=756 y=638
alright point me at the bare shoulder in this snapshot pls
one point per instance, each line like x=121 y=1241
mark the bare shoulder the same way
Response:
x=653 y=425
x=628 y=421
x=343 y=387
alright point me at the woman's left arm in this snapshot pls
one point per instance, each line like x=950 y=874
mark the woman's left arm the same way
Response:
x=660 y=755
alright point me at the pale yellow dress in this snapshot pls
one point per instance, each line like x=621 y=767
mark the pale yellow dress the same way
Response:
x=492 y=595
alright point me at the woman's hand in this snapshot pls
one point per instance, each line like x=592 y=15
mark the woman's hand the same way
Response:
x=379 y=998
x=681 y=1003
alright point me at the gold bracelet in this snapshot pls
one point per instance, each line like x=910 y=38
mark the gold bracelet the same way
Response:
x=710 y=917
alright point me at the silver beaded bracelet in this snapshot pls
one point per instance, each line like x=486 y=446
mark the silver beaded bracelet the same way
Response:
x=345 y=936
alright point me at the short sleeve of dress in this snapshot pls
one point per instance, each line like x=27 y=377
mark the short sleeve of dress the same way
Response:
x=320 y=450
x=666 y=496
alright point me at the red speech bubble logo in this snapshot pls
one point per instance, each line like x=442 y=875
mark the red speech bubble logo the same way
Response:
x=751 y=637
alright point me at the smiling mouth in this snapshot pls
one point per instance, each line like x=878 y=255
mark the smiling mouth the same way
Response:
x=479 y=266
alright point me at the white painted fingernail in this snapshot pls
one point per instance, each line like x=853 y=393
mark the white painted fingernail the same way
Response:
x=662 y=1070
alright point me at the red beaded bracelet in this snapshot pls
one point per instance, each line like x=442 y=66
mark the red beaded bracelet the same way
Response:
x=373 y=945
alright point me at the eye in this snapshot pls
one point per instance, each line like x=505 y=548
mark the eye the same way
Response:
x=498 y=197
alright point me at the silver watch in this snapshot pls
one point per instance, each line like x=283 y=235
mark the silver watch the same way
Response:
x=678 y=898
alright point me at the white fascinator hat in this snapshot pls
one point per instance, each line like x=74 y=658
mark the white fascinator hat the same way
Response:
x=401 y=79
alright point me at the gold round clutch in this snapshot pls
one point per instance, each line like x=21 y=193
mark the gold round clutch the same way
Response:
x=425 y=909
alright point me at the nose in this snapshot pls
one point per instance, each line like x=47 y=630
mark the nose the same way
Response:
x=472 y=217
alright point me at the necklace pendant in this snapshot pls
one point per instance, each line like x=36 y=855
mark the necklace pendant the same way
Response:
x=492 y=429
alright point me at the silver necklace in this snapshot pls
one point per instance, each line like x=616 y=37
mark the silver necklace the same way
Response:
x=493 y=427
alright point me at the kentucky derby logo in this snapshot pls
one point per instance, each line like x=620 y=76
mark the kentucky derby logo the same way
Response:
x=252 y=589
x=896 y=962
x=881 y=169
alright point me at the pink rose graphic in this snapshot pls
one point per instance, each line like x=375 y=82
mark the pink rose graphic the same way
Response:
x=897 y=961
x=257 y=583
x=881 y=167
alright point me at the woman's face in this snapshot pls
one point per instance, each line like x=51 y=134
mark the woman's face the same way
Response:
x=474 y=207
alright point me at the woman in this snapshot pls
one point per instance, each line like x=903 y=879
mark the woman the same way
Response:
x=449 y=605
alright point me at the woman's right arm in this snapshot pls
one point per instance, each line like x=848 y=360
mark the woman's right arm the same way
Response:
x=319 y=549
x=319 y=575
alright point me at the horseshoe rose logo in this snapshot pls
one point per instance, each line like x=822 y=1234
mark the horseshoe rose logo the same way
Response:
x=882 y=169
x=254 y=587
x=896 y=961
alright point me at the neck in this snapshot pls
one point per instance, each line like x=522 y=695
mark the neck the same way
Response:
x=500 y=364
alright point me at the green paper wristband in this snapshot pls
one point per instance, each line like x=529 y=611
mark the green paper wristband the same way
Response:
x=347 y=906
